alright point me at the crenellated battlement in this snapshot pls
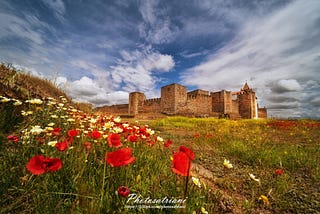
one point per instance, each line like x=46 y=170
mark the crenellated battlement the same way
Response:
x=175 y=100
x=153 y=100
x=198 y=96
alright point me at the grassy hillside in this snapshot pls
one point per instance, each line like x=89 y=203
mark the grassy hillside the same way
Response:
x=20 y=85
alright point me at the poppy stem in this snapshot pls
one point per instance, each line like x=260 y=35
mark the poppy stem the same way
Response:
x=187 y=179
x=103 y=183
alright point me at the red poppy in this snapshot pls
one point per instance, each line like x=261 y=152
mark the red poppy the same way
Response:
x=69 y=140
x=132 y=138
x=95 y=134
x=56 y=131
x=123 y=191
x=151 y=142
x=73 y=133
x=13 y=138
x=87 y=145
x=196 y=135
x=120 y=157
x=61 y=146
x=114 y=140
x=40 y=139
x=168 y=143
x=40 y=164
x=181 y=164
x=209 y=135
x=143 y=131
x=187 y=151
x=279 y=171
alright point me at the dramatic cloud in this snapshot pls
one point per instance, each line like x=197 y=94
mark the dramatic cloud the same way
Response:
x=57 y=7
x=271 y=53
x=285 y=86
x=99 y=51
x=156 y=27
x=136 y=70
x=88 y=90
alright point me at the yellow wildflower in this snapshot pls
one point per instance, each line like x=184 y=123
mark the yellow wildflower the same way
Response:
x=196 y=181
x=160 y=139
x=36 y=130
x=117 y=119
x=149 y=131
x=203 y=210
x=17 y=103
x=254 y=178
x=264 y=199
x=49 y=128
x=52 y=143
x=227 y=164
x=5 y=100
x=35 y=101
x=108 y=124
x=54 y=116
x=117 y=129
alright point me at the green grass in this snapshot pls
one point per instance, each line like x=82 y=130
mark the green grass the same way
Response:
x=259 y=147
x=86 y=183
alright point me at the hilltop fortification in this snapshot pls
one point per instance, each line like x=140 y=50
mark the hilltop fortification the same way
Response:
x=175 y=100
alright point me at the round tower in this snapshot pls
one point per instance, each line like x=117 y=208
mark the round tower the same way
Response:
x=136 y=100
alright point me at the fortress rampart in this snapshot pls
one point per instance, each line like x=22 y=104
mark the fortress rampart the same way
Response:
x=175 y=100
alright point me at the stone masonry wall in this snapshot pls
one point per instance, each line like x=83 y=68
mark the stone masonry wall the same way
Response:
x=173 y=97
x=175 y=100
x=151 y=105
x=196 y=105
x=262 y=113
x=115 y=109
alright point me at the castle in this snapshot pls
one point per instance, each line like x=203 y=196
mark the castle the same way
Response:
x=175 y=100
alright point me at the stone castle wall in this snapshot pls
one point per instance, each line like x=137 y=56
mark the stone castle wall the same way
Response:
x=121 y=109
x=151 y=105
x=175 y=100
x=198 y=104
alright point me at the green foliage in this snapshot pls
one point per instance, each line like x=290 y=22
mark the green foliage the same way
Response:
x=10 y=117
x=86 y=183
x=258 y=147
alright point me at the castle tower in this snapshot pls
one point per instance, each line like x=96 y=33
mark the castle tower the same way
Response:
x=222 y=102
x=136 y=100
x=248 y=106
x=173 y=97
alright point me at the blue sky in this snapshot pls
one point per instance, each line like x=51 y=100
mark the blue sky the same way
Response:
x=98 y=51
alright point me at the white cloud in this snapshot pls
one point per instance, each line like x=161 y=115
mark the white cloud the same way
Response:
x=136 y=70
x=14 y=26
x=286 y=85
x=268 y=52
x=315 y=101
x=84 y=87
x=58 y=8
x=88 y=90
x=158 y=62
x=156 y=27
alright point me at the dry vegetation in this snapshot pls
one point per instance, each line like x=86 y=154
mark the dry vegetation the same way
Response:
x=22 y=85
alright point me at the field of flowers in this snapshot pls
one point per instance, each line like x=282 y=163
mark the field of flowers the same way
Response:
x=55 y=158
x=269 y=166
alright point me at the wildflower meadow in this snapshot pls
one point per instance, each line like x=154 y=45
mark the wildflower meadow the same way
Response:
x=58 y=159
